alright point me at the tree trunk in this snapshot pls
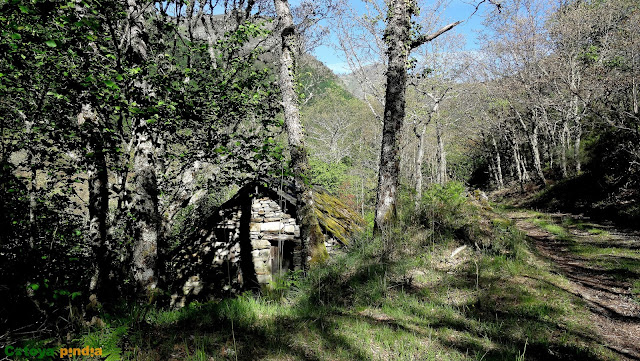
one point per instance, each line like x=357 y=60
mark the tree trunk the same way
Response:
x=516 y=163
x=533 y=141
x=145 y=210
x=310 y=233
x=397 y=36
x=419 y=162
x=563 y=148
x=442 y=156
x=33 y=204
x=576 y=148
x=574 y=86
x=634 y=91
x=523 y=165
x=145 y=193
x=499 y=180
x=535 y=150
x=97 y=179
x=33 y=168
x=399 y=42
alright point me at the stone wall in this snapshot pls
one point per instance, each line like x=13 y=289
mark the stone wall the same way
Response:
x=271 y=227
x=211 y=266
x=248 y=240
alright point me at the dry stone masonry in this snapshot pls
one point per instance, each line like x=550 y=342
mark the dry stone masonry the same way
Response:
x=248 y=241
x=269 y=229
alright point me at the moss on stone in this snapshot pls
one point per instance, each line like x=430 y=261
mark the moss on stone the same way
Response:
x=318 y=254
x=336 y=218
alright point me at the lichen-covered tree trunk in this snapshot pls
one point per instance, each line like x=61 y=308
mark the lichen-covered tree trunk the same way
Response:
x=397 y=36
x=312 y=238
x=400 y=42
x=532 y=135
x=145 y=185
x=516 y=163
x=498 y=161
x=419 y=162
x=535 y=150
x=145 y=211
x=564 y=136
x=441 y=157
x=97 y=181
x=33 y=167
x=576 y=148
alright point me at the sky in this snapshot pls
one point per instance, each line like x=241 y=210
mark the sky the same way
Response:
x=456 y=10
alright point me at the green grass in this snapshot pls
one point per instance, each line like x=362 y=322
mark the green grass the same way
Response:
x=501 y=302
x=635 y=289
x=591 y=228
x=598 y=247
x=550 y=227
x=418 y=305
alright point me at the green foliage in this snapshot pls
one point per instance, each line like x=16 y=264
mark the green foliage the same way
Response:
x=282 y=284
x=590 y=54
x=447 y=206
x=58 y=58
x=109 y=338
x=315 y=81
x=330 y=176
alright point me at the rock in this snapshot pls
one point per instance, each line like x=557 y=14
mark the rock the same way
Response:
x=271 y=227
x=264 y=279
x=260 y=244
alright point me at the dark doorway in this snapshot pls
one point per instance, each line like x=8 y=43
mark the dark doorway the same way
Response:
x=281 y=257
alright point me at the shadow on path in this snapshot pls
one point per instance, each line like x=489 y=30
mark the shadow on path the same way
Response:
x=615 y=311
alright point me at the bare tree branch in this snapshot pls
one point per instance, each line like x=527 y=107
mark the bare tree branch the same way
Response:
x=422 y=39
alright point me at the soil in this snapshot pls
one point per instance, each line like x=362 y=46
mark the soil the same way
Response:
x=614 y=309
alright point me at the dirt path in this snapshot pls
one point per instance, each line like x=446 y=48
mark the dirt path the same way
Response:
x=615 y=311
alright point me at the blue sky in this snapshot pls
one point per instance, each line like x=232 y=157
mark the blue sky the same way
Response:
x=456 y=10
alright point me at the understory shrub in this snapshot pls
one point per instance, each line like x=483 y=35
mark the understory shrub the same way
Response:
x=448 y=209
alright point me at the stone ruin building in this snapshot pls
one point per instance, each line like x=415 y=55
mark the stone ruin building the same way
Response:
x=249 y=240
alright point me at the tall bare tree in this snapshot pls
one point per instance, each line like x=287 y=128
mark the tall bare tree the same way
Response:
x=145 y=199
x=399 y=42
x=311 y=235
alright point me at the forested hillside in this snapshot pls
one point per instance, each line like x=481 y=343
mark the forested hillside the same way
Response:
x=189 y=180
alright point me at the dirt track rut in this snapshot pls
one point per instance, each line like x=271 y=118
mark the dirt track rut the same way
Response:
x=615 y=311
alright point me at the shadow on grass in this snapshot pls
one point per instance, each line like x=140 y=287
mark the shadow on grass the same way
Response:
x=326 y=323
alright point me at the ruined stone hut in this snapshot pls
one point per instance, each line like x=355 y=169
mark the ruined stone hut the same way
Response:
x=251 y=238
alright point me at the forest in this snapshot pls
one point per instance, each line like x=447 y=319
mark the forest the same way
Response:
x=191 y=180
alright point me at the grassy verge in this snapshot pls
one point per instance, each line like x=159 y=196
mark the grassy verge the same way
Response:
x=496 y=301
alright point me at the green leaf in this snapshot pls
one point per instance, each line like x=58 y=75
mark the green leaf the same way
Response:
x=111 y=84
x=34 y=286
x=51 y=43
x=16 y=36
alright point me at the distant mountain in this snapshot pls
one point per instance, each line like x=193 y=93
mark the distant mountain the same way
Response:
x=365 y=78
x=316 y=79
